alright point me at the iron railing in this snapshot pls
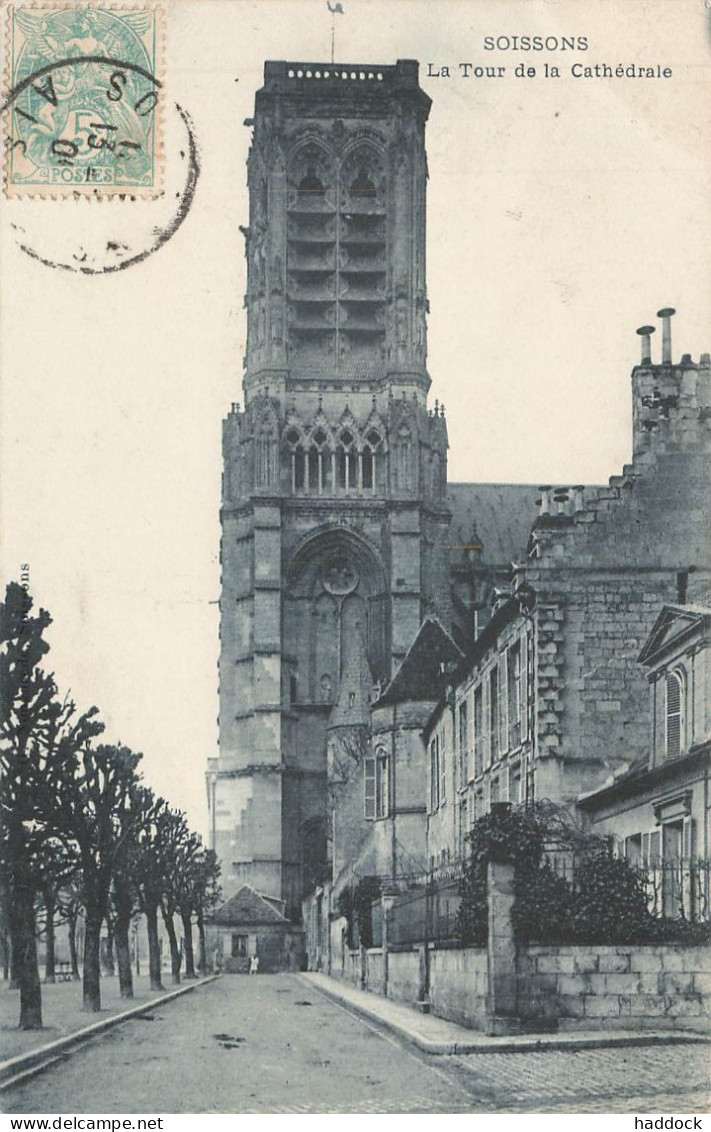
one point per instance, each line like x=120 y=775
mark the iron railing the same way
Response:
x=678 y=888
x=426 y=914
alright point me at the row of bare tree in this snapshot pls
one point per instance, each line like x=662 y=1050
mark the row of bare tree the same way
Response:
x=81 y=833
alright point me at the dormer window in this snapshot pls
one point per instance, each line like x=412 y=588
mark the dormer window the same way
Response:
x=675 y=705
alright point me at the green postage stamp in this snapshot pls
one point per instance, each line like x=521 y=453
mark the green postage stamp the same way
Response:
x=83 y=101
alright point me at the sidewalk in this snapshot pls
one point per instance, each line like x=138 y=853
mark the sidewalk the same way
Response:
x=437 y=1036
x=65 y=1023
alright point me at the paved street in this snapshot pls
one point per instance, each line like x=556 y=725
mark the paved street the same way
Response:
x=271 y=1044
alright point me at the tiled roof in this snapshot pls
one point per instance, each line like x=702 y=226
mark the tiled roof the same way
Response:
x=501 y=515
x=248 y=906
x=420 y=677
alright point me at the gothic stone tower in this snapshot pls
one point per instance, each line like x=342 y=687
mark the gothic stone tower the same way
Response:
x=334 y=513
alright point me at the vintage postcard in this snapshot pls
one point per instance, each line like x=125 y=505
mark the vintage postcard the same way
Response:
x=356 y=469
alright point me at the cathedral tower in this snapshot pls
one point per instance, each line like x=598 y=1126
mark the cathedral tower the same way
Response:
x=334 y=511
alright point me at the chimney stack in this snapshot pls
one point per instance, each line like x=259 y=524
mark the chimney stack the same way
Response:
x=665 y=314
x=645 y=333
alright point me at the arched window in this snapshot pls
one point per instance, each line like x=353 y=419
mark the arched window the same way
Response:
x=403 y=464
x=372 y=444
x=435 y=475
x=346 y=462
x=266 y=453
x=376 y=783
x=368 y=462
x=298 y=459
x=362 y=187
x=324 y=649
x=311 y=187
x=675 y=705
x=319 y=463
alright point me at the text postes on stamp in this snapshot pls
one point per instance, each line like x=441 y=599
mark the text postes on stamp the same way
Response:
x=83 y=112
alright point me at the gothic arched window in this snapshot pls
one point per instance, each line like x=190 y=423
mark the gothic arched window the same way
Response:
x=371 y=447
x=362 y=176
x=347 y=461
x=325 y=648
x=435 y=474
x=266 y=452
x=362 y=186
x=403 y=463
x=294 y=440
x=311 y=186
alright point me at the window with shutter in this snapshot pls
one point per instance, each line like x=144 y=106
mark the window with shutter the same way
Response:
x=503 y=704
x=494 y=715
x=369 y=765
x=382 y=807
x=675 y=687
x=478 y=731
x=633 y=848
x=463 y=744
x=523 y=687
x=442 y=768
x=515 y=786
x=434 y=776
x=513 y=693
x=463 y=826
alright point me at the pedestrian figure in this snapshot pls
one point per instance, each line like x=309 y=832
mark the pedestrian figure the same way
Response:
x=254 y=965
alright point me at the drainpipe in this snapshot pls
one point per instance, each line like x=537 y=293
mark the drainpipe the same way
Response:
x=529 y=791
x=392 y=795
x=213 y=784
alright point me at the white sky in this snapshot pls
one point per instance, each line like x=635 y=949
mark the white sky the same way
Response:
x=561 y=215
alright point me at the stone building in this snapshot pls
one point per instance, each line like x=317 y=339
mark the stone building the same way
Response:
x=656 y=808
x=398 y=652
x=339 y=534
x=251 y=926
x=551 y=700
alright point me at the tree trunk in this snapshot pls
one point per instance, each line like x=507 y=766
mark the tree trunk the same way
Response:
x=72 y=935
x=153 y=947
x=187 y=922
x=4 y=928
x=92 y=960
x=24 y=948
x=123 y=955
x=50 y=958
x=109 y=964
x=175 y=956
x=202 y=950
x=14 y=966
x=5 y=943
x=23 y=933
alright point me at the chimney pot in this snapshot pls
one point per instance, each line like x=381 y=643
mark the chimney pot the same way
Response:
x=544 y=502
x=645 y=333
x=666 y=314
